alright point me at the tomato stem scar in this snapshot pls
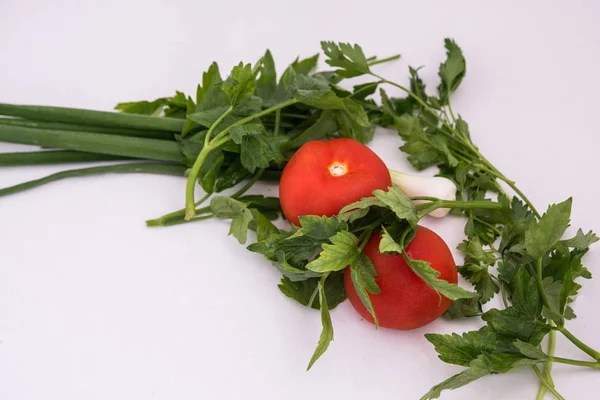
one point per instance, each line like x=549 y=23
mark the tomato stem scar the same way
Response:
x=338 y=169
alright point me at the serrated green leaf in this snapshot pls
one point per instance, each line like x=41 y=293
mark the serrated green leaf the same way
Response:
x=350 y=59
x=227 y=208
x=480 y=277
x=258 y=151
x=464 y=308
x=463 y=349
x=478 y=368
x=336 y=256
x=399 y=203
x=266 y=84
x=581 y=240
x=321 y=228
x=526 y=297
x=387 y=244
x=514 y=324
x=430 y=277
x=302 y=291
x=264 y=227
x=452 y=71
x=529 y=350
x=327 y=330
x=362 y=273
x=233 y=175
x=237 y=133
x=359 y=209
x=322 y=129
x=305 y=66
x=240 y=84
x=541 y=236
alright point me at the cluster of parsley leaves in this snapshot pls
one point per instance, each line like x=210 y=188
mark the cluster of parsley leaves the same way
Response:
x=511 y=250
x=249 y=124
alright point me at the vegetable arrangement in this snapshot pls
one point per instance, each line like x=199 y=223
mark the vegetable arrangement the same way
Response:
x=354 y=229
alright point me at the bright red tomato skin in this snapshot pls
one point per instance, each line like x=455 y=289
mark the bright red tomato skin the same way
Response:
x=405 y=301
x=307 y=186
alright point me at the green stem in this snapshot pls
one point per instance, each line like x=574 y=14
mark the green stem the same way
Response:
x=376 y=61
x=544 y=383
x=190 y=210
x=181 y=221
x=540 y=283
x=252 y=117
x=153 y=149
x=91 y=117
x=52 y=157
x=215 y=125
x=214 y=143
x=568 y=361
x=58 y=126
x=585 y=348
x=144 y=168
x=277 y=121
x=249 y=184
x=491 y=226
x=179 y=215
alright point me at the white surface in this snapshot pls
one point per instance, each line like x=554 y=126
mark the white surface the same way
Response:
x=93 y=305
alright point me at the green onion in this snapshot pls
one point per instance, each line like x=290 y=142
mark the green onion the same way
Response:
x=142 y=168
x=52 y=157
x=153 y=149
x=90 y=117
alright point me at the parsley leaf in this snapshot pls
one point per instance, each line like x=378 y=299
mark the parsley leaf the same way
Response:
x=350 y=59
x=581 y=240
x=303 y=291
x=240 y=84
x=452 y=71
x=210 y=169
x=226 y=207
x=399 y=203
x=464 y=308
x=514 y=324
x=542 y=235
x=462 y=349
x=363 y=273
x=327 y=331
x=321 y=228
x=336 y=256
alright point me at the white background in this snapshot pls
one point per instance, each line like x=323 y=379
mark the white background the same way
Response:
x=94 y=305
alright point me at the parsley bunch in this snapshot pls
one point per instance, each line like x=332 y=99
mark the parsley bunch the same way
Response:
x=245 y=127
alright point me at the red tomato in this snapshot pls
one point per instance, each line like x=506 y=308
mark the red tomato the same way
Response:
x=324 y=176
x=405 y=301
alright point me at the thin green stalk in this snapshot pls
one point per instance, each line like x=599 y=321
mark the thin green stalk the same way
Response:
x=167 y=219
x=545 y=384
x=568 y=361
x=153 y=149
x=215 y=125
x=252 y=117
x=217 y=141
x=540 y=283
x=383 y=60
x=91 y=117
x=58 y=126
x=249 y=184
x=181 y=221
x=427 y=208
x=548 y=382
x=277 y=121
x=144 y=168
x=53 y=157
x=190 y=209
x=585 y=348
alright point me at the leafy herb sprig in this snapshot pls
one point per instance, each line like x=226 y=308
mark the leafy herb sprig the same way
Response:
x=537 y=270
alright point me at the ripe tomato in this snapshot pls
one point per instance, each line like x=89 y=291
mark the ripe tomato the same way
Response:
x=405 y=301
x=324 y=176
